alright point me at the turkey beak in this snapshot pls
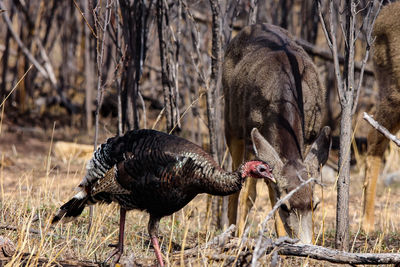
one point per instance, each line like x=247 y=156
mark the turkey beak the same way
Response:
x=267 y=174
x=271 y=178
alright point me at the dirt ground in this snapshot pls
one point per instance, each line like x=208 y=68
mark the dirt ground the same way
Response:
x=35 y=181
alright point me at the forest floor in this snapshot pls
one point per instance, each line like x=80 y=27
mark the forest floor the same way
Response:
x=35 y=181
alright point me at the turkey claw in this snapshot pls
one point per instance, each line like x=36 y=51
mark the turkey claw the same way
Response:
x=117 y=253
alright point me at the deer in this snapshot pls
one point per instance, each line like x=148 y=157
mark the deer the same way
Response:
x=274 y=110
x=386 y=61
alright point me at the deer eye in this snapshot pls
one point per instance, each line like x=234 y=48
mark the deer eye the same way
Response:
x=285 y=208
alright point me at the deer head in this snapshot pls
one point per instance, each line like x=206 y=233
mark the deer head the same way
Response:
x=296 y=213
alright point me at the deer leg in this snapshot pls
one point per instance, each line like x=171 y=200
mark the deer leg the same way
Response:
x=373 y=165
x=153 y=232
x=248 y=195
x=233 y=202
x=246 y=200
x=119 y=248
x=279 y=227
x=377 y=144
x=236 y=148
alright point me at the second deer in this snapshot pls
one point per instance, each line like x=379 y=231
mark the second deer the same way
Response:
x=386 y=58
x=271 y=84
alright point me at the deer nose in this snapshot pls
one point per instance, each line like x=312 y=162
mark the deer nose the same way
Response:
x=316 y=202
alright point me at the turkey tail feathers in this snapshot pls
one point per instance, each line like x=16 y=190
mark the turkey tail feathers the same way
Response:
x=72 y=209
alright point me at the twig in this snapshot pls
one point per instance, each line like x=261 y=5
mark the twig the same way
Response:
x=99 y=98
x=84 y=18
x=15 y=86
x=332 y=43
x=381 y=129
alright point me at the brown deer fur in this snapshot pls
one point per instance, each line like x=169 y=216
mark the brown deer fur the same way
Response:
x=386 y=58
x=271 y=84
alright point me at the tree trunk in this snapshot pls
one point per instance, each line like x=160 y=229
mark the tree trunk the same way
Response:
x=343 y=183
x=347 y=101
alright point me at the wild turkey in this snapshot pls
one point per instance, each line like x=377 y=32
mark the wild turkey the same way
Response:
x=156 y=172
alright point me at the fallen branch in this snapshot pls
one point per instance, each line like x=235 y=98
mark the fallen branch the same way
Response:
x=333 y=255
x=287 y=247
x=381 y=129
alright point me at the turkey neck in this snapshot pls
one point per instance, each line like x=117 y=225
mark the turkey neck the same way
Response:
x=222 y=183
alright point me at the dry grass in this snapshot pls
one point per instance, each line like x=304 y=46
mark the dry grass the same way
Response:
x=35 y=183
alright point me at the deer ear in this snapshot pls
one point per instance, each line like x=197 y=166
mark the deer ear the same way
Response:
x=319 y=151
x=264 y=151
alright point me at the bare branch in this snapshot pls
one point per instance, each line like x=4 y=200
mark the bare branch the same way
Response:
x=381 y=129
x=252 y=12
x=101 y=33
x=332 y=43
x=327 y=55
x=364 y=62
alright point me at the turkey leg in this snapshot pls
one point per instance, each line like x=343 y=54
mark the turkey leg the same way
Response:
x=153 y=230
x=119 y=248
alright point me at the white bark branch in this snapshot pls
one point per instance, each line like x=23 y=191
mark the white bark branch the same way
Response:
x=381 y=129
x=333 y=255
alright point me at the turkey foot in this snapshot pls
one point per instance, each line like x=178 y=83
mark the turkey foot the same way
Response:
x=117 y=253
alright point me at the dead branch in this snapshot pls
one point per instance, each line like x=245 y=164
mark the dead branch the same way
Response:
x=381 y=129
x=287 y=247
